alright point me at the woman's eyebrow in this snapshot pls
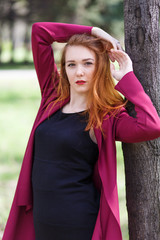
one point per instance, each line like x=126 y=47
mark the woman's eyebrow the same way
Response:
x=86 y=59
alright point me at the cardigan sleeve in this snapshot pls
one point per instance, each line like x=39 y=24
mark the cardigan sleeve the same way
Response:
x=146 y=125
x=43 y=35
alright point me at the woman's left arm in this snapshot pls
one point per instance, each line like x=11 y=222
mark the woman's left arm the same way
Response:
x=146 y=125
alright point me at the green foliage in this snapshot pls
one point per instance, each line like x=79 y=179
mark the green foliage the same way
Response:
x=101 y=13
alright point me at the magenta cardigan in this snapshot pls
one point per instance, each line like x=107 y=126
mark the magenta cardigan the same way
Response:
x=145 y=126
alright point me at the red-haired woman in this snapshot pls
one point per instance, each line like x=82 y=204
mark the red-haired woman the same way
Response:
x=67 y=187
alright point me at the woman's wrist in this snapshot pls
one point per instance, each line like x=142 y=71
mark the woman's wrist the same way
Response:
x=113 y=43
x=98 y=32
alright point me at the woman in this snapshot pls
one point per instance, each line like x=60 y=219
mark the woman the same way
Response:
x=67 y=186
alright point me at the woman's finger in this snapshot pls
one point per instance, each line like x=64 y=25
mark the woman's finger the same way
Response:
x=111 y=56
x=120 y=55
x=119 y=47
x=112 y=69
x=116 y=45
x=119 y=58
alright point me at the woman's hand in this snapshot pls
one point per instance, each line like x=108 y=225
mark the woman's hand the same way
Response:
x=124 y=61
x=113 y=43
x=115 y=53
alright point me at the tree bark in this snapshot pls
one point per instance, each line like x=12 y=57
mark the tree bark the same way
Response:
x=142 y=160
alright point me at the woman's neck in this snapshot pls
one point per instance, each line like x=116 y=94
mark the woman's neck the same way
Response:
x=77 y=103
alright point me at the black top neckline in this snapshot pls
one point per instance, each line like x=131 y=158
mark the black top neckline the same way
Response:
x=72 y=112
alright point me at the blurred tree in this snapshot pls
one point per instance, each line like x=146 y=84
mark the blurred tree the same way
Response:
x=10 y=18
x=142 y=160
x=105 y=14
x=88 y=12
x=14 y=12
x=0 y=41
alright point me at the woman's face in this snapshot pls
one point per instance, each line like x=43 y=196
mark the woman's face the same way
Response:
x=80 y=64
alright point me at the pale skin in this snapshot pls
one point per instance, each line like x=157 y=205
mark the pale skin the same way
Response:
x=80 y=64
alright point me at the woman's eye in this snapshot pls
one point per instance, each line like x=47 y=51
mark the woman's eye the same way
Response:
x=88 y=63
x=71 y=65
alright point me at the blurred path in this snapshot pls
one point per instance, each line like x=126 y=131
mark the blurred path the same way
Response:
x=17 y=73
x=11 y=78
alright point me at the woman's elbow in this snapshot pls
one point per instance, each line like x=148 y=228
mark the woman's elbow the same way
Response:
x=35 y=27
x=157 y=131
x=154 y=129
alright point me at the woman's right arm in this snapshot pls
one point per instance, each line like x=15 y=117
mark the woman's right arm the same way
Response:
x=43 y=35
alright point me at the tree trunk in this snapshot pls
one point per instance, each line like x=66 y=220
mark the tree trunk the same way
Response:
x=142 y=160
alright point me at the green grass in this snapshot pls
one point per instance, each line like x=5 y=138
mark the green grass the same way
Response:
x=19 y=102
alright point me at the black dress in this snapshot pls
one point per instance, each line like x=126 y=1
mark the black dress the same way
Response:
x=65 y=200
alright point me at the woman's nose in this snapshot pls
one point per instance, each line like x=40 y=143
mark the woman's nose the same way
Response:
x=79 y=71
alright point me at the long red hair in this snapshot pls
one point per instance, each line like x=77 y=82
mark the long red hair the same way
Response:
x=102 y=98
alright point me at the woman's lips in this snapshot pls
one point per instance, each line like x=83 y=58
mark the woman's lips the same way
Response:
x=80 y=82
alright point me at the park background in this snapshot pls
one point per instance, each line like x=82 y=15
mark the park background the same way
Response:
x=19 y=90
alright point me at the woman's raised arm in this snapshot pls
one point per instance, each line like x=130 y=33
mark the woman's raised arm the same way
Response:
x=43 y=35
x=146 y=125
